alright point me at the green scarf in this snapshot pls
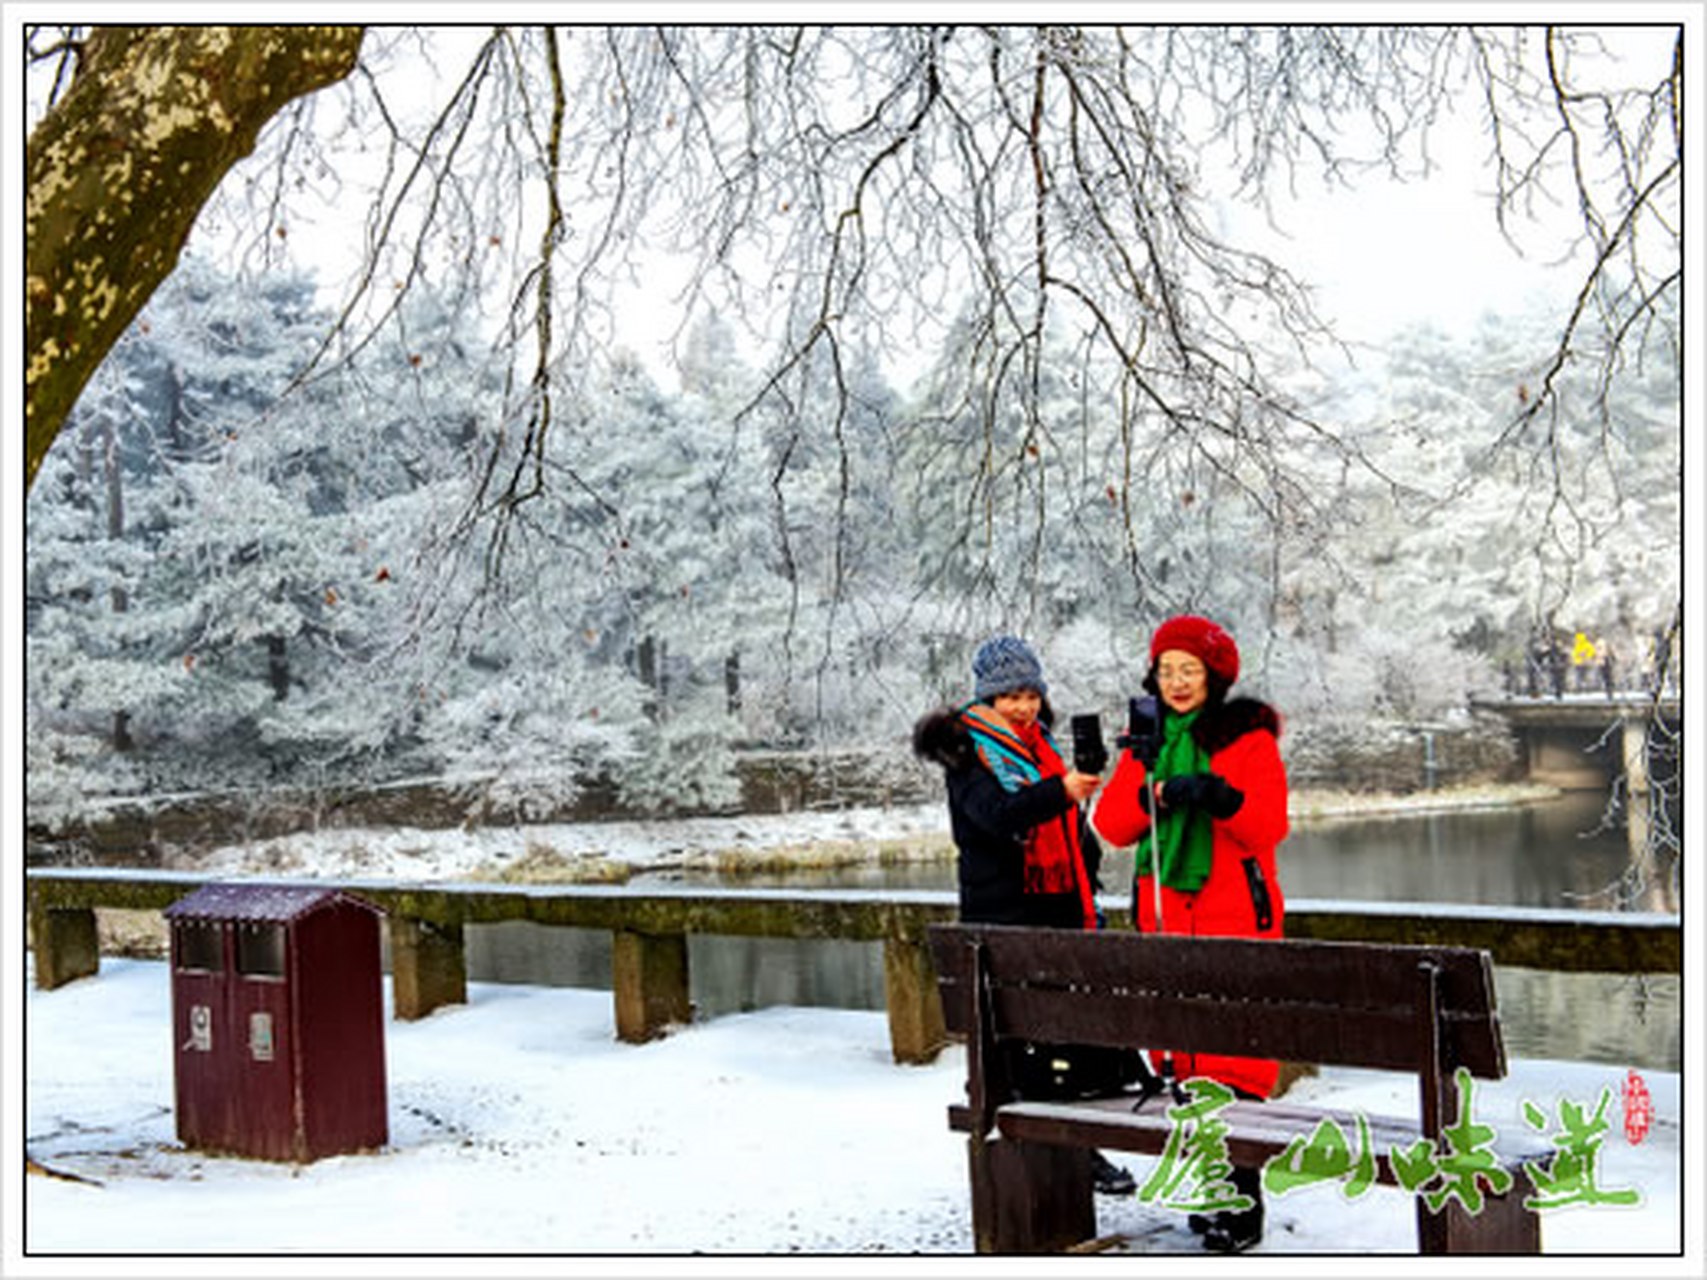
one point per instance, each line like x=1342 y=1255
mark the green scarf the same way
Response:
x=1187 y=840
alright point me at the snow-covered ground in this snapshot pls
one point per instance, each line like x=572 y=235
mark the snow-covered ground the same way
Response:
x=521 y=1127
x=413 y=853
x=522 y=1131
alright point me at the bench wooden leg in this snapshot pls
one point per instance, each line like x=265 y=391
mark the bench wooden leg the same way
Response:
x=66 y=943
x=1503 y=1225
x=1029 y=1197
x=428 y=968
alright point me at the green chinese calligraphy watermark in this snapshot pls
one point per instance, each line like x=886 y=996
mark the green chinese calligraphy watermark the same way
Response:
x=1194 y=1171
x=1194 y=1174
x=1571 y=1177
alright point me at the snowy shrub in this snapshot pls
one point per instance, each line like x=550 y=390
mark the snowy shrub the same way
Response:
x=684 y=763
x=1382 y=676
x=66 y=772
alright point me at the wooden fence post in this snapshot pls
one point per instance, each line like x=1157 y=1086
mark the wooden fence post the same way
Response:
x=649 y=981
x=916 y=1029
x=66 y=944
x=428 y=967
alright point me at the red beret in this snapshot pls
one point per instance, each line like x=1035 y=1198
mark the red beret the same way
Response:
x=1202 y=639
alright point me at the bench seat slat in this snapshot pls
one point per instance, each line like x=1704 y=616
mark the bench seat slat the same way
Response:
x=1300 y=1030
x=1361 y=975
x=1257 y=1131
x=1349 y=1003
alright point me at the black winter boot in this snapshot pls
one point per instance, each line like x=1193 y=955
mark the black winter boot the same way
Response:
x=1232 y=1231
x=1109 y=1178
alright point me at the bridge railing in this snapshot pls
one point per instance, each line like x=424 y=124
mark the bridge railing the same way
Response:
x=1554 y=674
x=650 y=928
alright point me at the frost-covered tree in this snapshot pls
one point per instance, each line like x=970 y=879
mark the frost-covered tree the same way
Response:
x=1125 y=412
x=191 y=381
x=844 y=181
x=1471 y=545
x=268 y=568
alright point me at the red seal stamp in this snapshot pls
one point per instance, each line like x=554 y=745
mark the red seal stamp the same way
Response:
x=1638 y=1108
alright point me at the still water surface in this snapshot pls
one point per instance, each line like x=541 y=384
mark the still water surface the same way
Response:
x=1557 y=854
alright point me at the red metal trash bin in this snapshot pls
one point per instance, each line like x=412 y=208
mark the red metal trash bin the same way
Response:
x=278 y=1021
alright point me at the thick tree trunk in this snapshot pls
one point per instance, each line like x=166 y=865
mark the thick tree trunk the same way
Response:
x=119 y=169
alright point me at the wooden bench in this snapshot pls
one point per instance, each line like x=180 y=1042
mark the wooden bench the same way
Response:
x=1424 y=1009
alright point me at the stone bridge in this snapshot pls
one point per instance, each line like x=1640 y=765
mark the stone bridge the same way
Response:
x=1581 y=741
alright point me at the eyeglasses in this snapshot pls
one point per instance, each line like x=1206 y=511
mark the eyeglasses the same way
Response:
x=1193 y=672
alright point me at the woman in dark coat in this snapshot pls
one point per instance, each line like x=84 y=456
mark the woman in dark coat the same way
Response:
x=1026 y=853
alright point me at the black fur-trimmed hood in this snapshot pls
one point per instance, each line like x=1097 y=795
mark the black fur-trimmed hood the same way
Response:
x=942 y=737
x=1222 y=725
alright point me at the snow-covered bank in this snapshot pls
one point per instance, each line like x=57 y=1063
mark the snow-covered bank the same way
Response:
x=595 y=851
x=520 y=1126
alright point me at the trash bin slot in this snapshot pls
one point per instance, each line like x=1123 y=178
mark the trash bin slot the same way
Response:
x=260 y=950
x=200 y=947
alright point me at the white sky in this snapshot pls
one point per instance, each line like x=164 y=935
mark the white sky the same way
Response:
x=1386 y=252
x=1390 y=254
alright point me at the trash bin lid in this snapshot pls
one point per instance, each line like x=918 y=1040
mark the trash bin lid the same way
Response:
x=273 y=903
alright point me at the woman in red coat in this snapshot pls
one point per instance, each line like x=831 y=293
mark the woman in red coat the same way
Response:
x=1219 y=793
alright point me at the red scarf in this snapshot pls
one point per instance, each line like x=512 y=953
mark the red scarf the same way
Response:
x=1054 y=861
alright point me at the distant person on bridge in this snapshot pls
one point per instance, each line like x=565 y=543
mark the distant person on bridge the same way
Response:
x=1554 y=656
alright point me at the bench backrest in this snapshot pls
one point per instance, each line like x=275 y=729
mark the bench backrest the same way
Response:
x=1388 y=1007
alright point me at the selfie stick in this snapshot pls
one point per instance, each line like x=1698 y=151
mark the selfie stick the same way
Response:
x=1144 y=740
x=1146 y=746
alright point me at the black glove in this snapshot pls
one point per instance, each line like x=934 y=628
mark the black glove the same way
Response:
x=1209 y=792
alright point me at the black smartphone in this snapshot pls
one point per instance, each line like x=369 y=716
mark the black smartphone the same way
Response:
x=1089 y=753
x=1143 y=736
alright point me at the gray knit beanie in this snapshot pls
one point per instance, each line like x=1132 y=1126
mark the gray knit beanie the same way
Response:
x=1003 y=664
